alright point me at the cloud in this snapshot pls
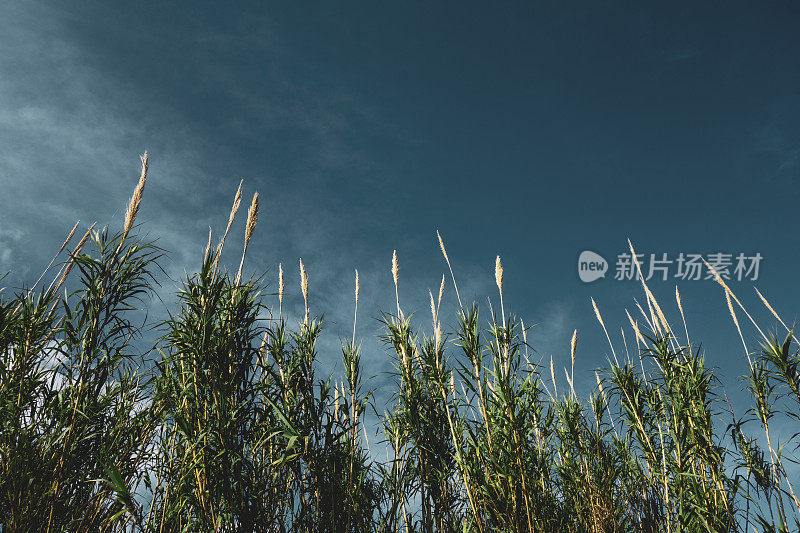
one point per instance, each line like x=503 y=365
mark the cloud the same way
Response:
x=69 y=138
x=70 y=132
x=71 y=127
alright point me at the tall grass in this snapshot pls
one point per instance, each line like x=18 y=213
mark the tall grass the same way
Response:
x=224 y=424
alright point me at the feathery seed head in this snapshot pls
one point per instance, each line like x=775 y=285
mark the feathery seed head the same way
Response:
x=395 y=276
x=569 y=382
x=450 y=267
x=252 y=219
x=280 y=284
x=730 y=308
x=395 y=268
x=573 y=345
x=597 y=313
x=498 y=273
x=263 y=348
x=133 y=205
x=208 y=246
x=768 y=306
x=635 y=326
x=736 y=322
x=69 y=237
x=237 y=199
x=441 y=245
x=358 y=286
x=234 y=208
x=304 y=285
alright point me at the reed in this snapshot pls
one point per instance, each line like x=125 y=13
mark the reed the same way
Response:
x=222 y=422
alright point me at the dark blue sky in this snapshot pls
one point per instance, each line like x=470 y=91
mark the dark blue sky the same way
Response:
x=529 y=130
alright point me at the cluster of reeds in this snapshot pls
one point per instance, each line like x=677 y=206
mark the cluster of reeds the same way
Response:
x=223 y=424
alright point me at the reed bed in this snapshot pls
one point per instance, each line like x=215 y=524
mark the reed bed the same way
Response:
x=224 y=424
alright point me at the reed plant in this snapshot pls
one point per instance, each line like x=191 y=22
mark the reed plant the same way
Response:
x=220 y=421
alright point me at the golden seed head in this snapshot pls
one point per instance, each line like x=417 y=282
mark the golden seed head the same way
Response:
x=599 y=383
x=358 y=286
x=82 y=242
x=395 y=268
x=730 y=308
x=263 y=348
x=441 y=292
x=635 y=326
x=69 y=237
x=433 y=309
x=768 y=306
x=280 y=283
x=635 y=260
x=498 y=273
x=237 y=199
x=303 y=279
x=716 y=276
x=597 y=312
x=252 y=219
x=234 y=208
x=304 y=285
x=573 y=345
x=441 y=245
x=208 y=245
x=133 y=205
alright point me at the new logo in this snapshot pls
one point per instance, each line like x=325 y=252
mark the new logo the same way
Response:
x=591 y=266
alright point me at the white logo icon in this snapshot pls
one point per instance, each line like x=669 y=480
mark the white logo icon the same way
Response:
x=591 y=266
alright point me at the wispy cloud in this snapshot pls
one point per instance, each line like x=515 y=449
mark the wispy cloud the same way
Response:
x=71 y=128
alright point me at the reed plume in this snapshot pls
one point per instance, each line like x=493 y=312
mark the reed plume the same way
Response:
x=395 y=271
x=280 y=290
x=304 y=287
x=136 y=199
x=355 y=312
x=237 y=199
x=250 y=226
x=450 y=267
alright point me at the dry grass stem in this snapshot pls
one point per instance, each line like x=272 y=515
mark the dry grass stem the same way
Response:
x=304 y=287
x=61 y=249
x=237 y=199
x=450 y=267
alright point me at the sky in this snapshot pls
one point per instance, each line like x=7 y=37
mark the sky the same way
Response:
x=534 y=131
